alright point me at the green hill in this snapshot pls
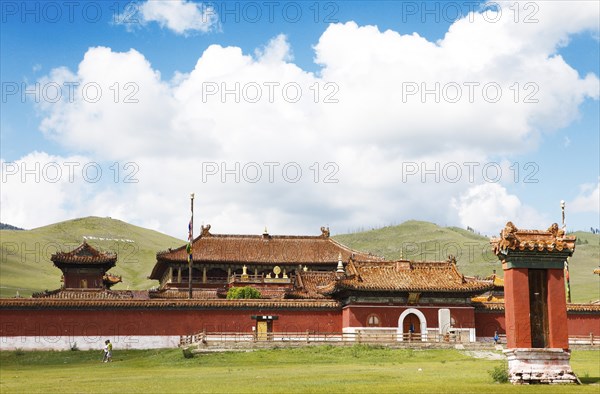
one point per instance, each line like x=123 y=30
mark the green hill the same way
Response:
x=417 y=240
x=26 y=266
x=25 y=260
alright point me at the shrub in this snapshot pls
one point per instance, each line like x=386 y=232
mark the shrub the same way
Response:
x=73 y=347
x=247 y=292
x=187 y=352
x=19 y=352
x=499 y=373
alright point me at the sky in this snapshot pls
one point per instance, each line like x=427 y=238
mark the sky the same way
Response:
x=292 y=115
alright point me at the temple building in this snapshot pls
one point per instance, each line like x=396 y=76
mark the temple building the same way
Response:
x=86 y=268
x=268 y=262
x=307 y=284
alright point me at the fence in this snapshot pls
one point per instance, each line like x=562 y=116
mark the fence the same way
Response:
x=364 y=337
x=369 y=336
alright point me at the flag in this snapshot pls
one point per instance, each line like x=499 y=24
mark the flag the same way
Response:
x=188 y=248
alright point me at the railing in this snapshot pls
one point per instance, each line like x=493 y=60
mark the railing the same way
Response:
x=240 y=278
x=584 y=339
x=369 y=336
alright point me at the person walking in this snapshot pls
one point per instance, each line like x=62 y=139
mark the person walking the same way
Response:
x=107 y=351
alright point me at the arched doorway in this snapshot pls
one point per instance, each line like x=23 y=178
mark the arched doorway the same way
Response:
x=412 y=325
x=413 y=319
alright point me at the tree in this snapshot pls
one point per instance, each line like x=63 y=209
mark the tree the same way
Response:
x=247 y=292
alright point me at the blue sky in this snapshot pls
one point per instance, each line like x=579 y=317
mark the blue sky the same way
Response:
x=373 y=139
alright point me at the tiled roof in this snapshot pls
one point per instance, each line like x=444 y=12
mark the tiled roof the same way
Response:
x=111 y=280
x=84 y=254
x=49 y=303
x=311 y=284
x=201 y=294
x=408 y=276
x=92 y=294
x=261 y=249
x=553 y=239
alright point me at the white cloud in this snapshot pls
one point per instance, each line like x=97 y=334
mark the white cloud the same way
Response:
x=588 y=199
x=277 y=50
x=487 y=208
x=179 y=16
x=368 y=129
x=39 y=188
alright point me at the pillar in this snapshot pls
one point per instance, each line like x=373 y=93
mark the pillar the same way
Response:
x=516 y=308
x=557 y=310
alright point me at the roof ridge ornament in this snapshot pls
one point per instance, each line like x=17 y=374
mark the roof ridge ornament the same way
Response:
x=340 y=271
x=205 y=230
x=325 y=231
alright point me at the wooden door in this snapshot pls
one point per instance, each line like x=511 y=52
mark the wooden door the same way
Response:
x=412 y=325
x=538 y=308
x=262 y=333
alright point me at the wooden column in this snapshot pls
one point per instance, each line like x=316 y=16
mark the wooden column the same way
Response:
x=204 y=274
x=179 y=275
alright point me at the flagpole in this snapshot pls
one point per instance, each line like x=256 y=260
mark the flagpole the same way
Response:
x=567 y=276
x=191 y=252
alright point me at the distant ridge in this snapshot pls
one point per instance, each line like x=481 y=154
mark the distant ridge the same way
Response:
x=5 y=226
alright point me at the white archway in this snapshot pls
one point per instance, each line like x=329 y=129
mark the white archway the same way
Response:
x=422 y=321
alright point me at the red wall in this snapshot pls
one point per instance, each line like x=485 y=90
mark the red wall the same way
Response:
x=357 y=315
x=578 y=323
x=185 y=321
x=487 y=323
x=158 y=322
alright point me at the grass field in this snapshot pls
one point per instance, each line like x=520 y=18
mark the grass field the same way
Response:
x=325 y=369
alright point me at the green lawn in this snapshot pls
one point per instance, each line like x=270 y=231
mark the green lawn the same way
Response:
x=325 y=369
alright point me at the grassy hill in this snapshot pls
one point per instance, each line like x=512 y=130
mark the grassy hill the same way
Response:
x=25 y=259
x=26 y=266
x=417 y=240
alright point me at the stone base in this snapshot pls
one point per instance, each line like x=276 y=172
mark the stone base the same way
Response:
x=539 y=366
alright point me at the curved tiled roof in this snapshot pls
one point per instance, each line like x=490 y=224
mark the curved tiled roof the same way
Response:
x=312 y=284
x=203 y=294
x=46 y=303
x=84 y=254
x=553 y=239
x=408 y=276
x=91 y=294
x=261 y=249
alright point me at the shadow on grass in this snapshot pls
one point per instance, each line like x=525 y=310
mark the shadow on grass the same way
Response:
x=590 y=379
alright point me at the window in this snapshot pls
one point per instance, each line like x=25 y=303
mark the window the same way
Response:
x=373 y=321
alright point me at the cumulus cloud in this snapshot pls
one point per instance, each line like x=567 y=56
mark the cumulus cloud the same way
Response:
x=39 y=188
x=588 y=199
x=487 y=208
x=354 y=129
x=180 y=16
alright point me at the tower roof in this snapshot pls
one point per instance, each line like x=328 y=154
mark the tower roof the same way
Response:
x=551 y=240
x=85 y=255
